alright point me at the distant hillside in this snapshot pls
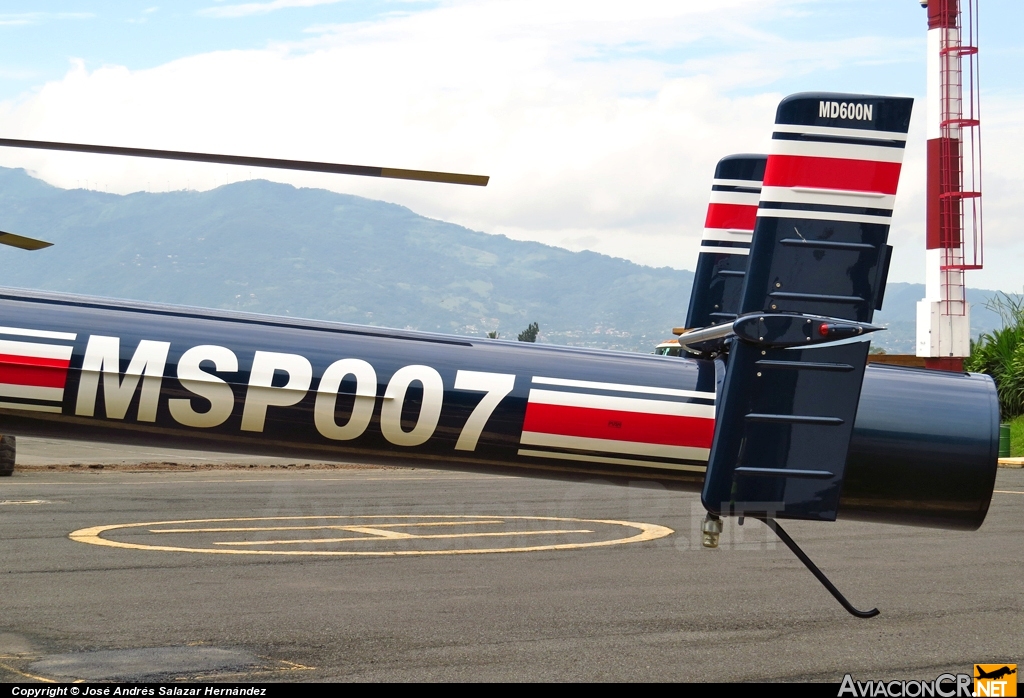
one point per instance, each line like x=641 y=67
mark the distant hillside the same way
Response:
x=272 y=248
x=899 y=316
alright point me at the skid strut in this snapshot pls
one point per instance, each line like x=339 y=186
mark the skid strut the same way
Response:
x=802 y=556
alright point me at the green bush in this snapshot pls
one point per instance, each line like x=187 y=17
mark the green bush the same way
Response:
x=1017 y=437
x=1001 y=354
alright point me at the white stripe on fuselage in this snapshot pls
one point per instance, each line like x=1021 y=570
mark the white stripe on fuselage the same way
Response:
x=612 y=461
x=636 y=448
x=55 y=409
x=31 y=392
x=38 y=351
x=621 y=404
x=42 y=334
x=623 y=387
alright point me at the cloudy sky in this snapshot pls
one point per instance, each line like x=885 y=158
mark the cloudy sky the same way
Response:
x=599 y=122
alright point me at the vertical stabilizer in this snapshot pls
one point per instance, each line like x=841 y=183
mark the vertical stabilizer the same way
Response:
x=819 y=256
x=725 y=245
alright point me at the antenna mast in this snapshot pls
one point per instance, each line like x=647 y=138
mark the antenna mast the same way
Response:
x=954 y=237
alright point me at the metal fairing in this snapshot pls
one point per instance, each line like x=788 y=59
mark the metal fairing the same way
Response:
x=925 y=449
x=256 y=384
x=819 y=248
x=725 y=244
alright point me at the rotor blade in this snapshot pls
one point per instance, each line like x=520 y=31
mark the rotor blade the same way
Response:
x=22 y=242
x=388 y=172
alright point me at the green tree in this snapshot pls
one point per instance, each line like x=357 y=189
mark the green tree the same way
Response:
x=530 y=333
x=1001 y=353
x=492 y=335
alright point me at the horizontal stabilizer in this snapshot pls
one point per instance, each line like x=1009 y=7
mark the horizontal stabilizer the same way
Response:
x=22 y=242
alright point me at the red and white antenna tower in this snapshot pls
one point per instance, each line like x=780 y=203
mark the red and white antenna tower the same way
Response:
x=953 y=221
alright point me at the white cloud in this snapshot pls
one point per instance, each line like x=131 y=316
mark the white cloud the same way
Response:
x=1003 y=181
x=27 y=18
x=259 y=8
x=16 y=74
x=592 y=139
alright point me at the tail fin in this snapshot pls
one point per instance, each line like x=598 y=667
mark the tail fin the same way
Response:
x=826 y=203
x=722 y=263
x=818 y=259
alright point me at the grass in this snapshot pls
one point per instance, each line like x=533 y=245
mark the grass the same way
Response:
x=1017 y=437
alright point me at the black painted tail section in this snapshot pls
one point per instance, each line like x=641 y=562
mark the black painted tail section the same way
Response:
x=725 y=244
x=819 y=247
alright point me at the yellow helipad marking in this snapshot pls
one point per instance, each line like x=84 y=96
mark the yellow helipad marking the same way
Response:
x=405 y=536
x=317 y=528
x=203 y=481
x=377 y=529
x=34 y=677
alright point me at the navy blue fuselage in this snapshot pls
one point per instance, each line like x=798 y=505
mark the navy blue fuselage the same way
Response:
x=127 y=372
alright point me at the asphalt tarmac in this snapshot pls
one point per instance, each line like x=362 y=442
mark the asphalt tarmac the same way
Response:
x=303 y=573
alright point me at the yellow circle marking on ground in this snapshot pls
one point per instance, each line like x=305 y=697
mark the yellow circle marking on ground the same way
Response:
x=372 y=529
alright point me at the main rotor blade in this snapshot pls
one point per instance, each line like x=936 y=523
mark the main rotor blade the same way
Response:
x=388 y=172
x=22 y=241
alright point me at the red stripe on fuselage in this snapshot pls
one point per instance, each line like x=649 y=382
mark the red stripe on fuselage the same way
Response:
x=31 y=370
x=638 y=427
x=832 y=173
x=736 y=216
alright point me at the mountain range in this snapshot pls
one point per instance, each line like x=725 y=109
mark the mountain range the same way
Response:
x=273 y=248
